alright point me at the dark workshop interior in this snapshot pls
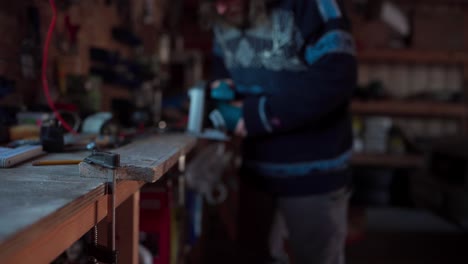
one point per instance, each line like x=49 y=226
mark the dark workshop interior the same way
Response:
x=108 y=154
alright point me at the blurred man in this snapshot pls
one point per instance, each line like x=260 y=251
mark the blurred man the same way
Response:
x=292 y=64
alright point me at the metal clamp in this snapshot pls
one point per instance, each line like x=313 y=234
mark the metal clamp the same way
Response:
x=111 y=161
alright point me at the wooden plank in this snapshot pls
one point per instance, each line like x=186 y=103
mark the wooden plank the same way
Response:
x=388 y=161
x=44 y=240
x=145 y=160
x=409 y=109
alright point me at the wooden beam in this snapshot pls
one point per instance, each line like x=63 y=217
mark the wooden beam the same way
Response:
x=412 y=56
x=409 y=109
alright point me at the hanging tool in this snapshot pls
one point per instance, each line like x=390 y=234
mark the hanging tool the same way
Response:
x=110 y=161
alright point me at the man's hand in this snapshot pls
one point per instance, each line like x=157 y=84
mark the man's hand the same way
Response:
x=240 y=131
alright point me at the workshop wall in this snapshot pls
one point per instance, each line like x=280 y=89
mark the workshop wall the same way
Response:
x=80 y=25
x=18 y=52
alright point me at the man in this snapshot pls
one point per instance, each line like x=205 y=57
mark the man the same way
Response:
x=292 y=63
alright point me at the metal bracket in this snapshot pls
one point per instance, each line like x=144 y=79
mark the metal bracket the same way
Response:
x=105 y=159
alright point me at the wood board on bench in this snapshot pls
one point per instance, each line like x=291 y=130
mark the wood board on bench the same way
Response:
x=145 y=160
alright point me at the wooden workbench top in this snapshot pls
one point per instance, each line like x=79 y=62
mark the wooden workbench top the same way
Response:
x=145 y=160
x=44 y=209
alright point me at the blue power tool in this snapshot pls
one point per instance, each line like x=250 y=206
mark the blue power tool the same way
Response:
x=223 y=95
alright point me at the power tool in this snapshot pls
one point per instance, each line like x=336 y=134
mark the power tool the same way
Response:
x=211 y=113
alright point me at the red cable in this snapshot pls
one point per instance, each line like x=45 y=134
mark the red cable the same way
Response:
x=45 y=57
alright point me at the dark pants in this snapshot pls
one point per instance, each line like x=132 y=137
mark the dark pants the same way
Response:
x=316 y=226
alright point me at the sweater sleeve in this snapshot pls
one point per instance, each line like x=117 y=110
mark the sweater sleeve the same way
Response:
x=304 y=97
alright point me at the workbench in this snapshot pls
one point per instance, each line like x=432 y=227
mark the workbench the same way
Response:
x=45 y=209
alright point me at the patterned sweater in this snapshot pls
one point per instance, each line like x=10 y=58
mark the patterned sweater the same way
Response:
x=297 y=73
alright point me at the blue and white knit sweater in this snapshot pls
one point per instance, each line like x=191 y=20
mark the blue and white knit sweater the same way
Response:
x=297 y=73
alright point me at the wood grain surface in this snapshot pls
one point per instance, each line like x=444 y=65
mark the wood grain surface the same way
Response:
x=35 y=202
x=145 y=160
x=43 y=210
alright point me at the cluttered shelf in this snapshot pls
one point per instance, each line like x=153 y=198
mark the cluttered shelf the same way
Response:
x=413 y=56
x=409 y=108
x=405 y=161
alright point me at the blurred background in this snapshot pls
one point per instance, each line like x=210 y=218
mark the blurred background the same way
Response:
x=136 y=60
